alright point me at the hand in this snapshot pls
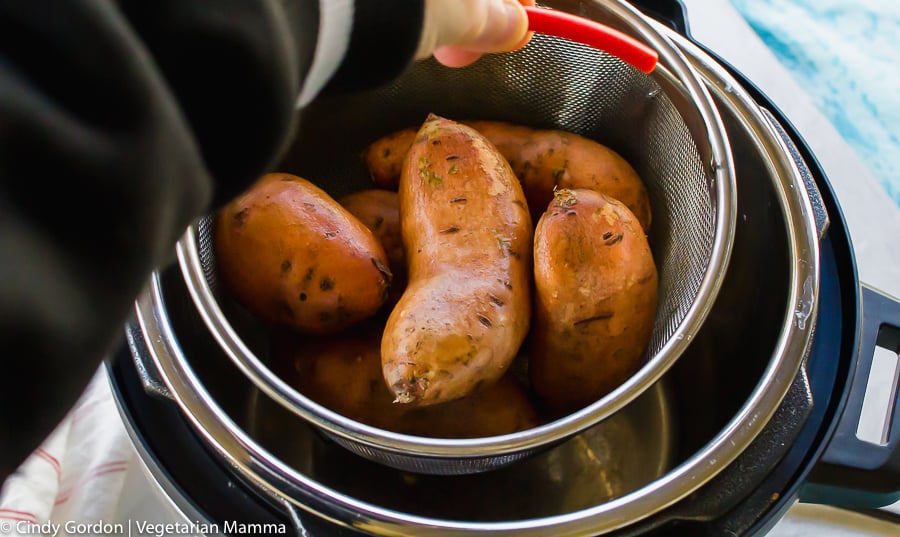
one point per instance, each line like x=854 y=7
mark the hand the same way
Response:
x=458 y=32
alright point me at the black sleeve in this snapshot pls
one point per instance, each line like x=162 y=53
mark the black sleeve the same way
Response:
x=121 y=122
x=381 y=43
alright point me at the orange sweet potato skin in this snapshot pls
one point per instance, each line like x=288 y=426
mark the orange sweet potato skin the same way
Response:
x=468 y=240
x=384 y=157
x=379 y=210
x=541 y=159
x=499 y=408
x=343 y=374
x=293 y=256
x=595 y=299
x=548 y=159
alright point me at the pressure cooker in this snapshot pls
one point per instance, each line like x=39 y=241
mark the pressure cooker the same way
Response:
x=760 y=409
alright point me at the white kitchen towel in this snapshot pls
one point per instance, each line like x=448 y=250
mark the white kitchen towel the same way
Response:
x=73 y=483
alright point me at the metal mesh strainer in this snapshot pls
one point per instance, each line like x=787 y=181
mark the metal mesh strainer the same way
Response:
x=664 y=124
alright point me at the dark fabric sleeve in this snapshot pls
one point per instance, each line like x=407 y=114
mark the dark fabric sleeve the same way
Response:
x=118 y=123
x=235 y=67
x=385 y=36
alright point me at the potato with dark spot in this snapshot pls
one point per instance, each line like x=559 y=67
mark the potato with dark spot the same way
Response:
x=468 y=240
x=595 y=299
x=542 y=160
x=379 y=210
x=545 y=160
x=291 y=255
x=343 y=374
x=384 y=157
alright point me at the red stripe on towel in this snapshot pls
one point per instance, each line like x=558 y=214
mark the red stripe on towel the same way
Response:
x=53 y=461
x=103 y=469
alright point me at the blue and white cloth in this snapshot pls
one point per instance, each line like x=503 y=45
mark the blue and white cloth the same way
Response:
x=844 y=53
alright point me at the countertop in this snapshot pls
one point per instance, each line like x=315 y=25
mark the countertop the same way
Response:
x=871 y=213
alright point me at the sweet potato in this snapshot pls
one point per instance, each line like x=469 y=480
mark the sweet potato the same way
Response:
x=379 y=210
x=550 y=159
x=499 y=408
x=291 y=255
x=468 y=240
x=343 y=373
x=595 y=298
x=541 y=159
x=384 y=157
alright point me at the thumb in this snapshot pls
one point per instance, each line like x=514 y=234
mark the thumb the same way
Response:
x=472 y=27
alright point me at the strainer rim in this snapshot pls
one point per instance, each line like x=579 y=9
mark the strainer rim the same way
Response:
x=720 y=171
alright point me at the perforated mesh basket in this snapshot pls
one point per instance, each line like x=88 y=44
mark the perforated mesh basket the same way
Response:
x=664 y=124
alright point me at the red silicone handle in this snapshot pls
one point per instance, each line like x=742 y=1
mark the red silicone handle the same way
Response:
x=594 y=34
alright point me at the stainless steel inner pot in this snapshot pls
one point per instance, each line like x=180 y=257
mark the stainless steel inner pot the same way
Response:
x=665 y=124
x=657 y=451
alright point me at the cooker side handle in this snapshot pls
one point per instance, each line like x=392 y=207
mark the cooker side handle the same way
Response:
x=854 y=472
